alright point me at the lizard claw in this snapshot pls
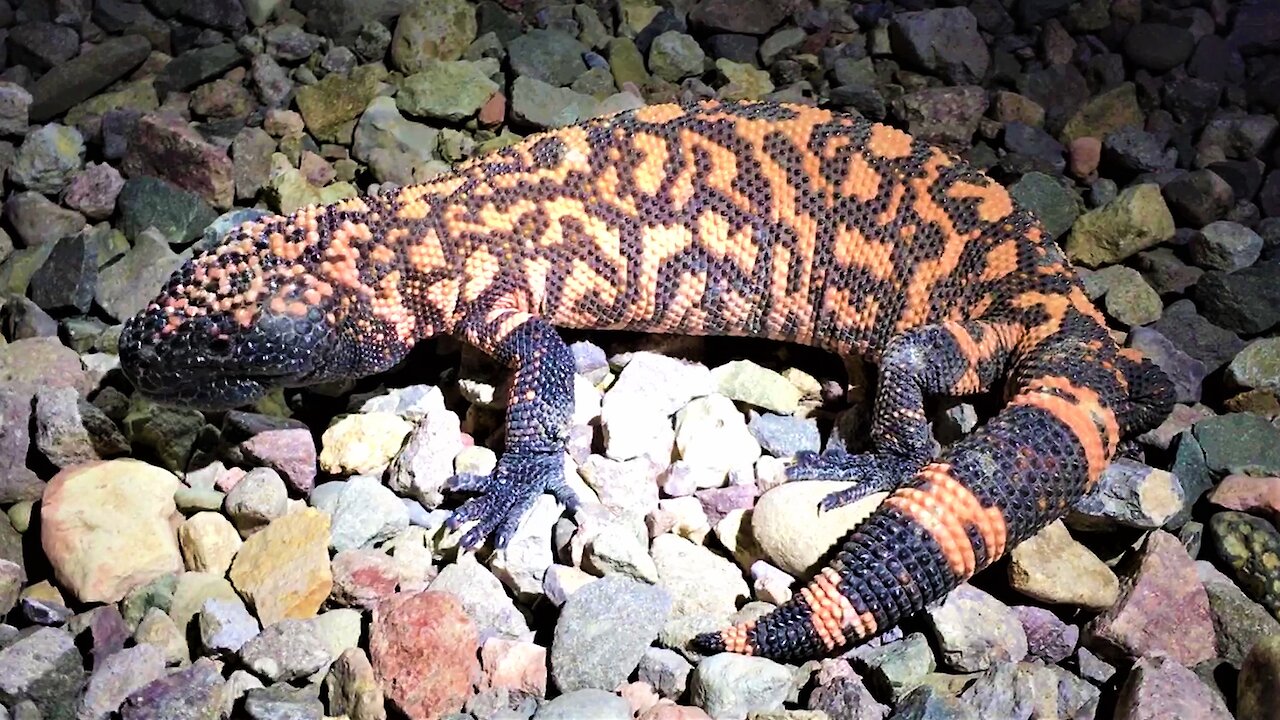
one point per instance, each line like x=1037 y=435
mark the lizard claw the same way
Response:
x=873 y=473
x=506 y=494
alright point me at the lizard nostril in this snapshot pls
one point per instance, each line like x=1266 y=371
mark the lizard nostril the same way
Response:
x=220 y=345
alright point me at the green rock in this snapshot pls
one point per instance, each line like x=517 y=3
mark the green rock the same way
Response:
x=166 y=432
x=596 y=82
x=432 y=30
x=674 y=56
x=1250 y=546
x=337 y=100
x=1136 y=220
x=1105 y=113
x=179 y=215
x=745 y=381
x=289 y=190
x=137 y=95
x=1239 y=443
x=156 y=594
x=17 y=269
x=1257 y=366
x=47 y=158
x=1259 y=681
x=1131 y=300
x=1238 y=622
x=627 y=63
x=551 y=56
x=546 y=106
x=394 y=147
x=897 y=668
x=745 y=82
x=1054 y=204
x=450 y=91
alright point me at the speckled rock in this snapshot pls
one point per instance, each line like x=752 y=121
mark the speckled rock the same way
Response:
x=1259 y=681
x=450 y=91
x=1137 y=219
x=731 y=686
x=1250 y=548
x=1159 y=687
x=410 y=626
x=1238 y=621
x=581 y=657
x=1257 y=366
x=974 y=630
x=43 y=667
x=1129 y=494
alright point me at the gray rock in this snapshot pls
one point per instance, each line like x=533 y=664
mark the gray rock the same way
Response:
x=550 y=56
x=1246 y=301
x=1129 y=494
x=1198 y=197
x=546 y=106
x=674 y=56
x=1257 y=366
x=259 y=498
x=1191 y=333
x=1238 y=622
x=1048 y=638
x=1055 y=205
x=944 y=41
x=285 y=651
x=69 y=83
x=47 y=158
x=729 y=685
x=395 y=148
x=1158 y=47
x=974 y=630
x=71 y=431
x=38 y=221
x=15 y=104
x=195 y=692
x=117 y=677
x=586 y=704
x=281 y=702
x=1225 y=245
x=66 y=281
x=785 y=435
x=1138 y=151
x=1159 y=687
x=666 y=671
x=589 y=651
x=226 y=625
x=45 y=668
x=365 y=513
x=895 y=668
x=181 y=216
x=1239 y=443
x=1186 y=373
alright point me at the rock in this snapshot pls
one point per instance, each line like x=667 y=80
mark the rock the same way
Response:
x=942 y=41
x=549 y=56
x=1137 y=219
x=208 y=542
x=47 y=158
x=636 y=411
x=1240 y=443
x=93 y=190
x=71 y=431
x=287 y=651
x=1186 y=373
x=1158 y=687
x=106 y=527
x=395 y=148
x=365 y=513
x=729 y=685
x=1246 y=301
x=1055 y=205
x=427 y=460
x=38 y=221
x=928 y=701
x=666 y=671
x=68 y=83
x=1246 y=493
x=1249 y=546
x=28 y=365
x=1105 y=113
x=283 y=569
x=146 y=202
x=1257 y=366
x=1163 y=607
x=15 y=104
x=483 y=598
x=226 y=625
x=785 y=435
x=752 y=17
x=1130 y=300
x=974 y=630
x=546 y=106
x=515 y=666
x=1225 y=245
x=1129 y=494
x=65 y=283
x=432 y=31
x=1199 y=197
x=711 y=433
x=744 y=81
x=44 y=668
x=1196 y=336
x=844 y=696
x=352 y=688
x=196 y=692
x=289 y=451
x=126 y=286
x=166 y=147
x=362 y=443
x=450 y=91
x=410 y=626
x=794 y=534
x=1233 y=134
x=1238 y=622
x=1048 y=639
x=257 y=499
x=698 y=581
x=1259 y=680
x=329 y=106
x=1158 y=47
x=120 y=675
x=586 y=704
x=674 y=56
x=283 y=702
x=581 y=657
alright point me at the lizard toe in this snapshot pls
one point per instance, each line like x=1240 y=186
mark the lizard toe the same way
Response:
x=505 y=495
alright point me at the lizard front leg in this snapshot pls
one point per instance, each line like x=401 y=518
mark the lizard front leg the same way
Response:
x=953 y=358
x=537 y=423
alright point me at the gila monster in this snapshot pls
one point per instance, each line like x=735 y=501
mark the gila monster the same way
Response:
x=771 y=220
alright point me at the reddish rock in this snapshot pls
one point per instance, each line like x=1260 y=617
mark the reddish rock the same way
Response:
x=514 y=665
x=1159 y=688
x=423 y=649
x=1086 y=152
x=1258 y=495
x=289 y=451
x=494 y=110
x=363 y=578
x=1163 y=607
x=93 y=190
x=163 y=145
x=665 y=710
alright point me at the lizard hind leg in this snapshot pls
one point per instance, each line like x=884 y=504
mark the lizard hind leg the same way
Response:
x=951 y=358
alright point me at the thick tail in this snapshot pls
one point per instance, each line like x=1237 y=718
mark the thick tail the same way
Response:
x=958 y=515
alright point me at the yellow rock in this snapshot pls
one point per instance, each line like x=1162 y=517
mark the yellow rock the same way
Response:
x=793 y=534
x=362 y=443
x=209 y=542
x=282 y=571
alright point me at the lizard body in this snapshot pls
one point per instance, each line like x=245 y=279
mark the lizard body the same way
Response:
x=753 y=219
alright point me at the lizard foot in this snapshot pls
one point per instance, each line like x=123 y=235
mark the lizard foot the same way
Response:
x=506 y=494
x=873 y=473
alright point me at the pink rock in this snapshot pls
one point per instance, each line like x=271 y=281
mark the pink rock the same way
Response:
x=93 y=190
x=1086 y=152
x=665 y=710
x=1163 y=607
x=229 y=478
x=164 y=145
x=494 y=110
x=1158 y=688
x=423 y=649
x=363 y=578
x=1248 y=494
x=514 y=665
x=640 y=696
x=289 y=451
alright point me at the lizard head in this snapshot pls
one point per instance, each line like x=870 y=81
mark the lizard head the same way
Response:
x=279 y=302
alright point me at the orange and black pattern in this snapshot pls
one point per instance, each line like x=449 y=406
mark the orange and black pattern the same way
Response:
x=760 y=219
